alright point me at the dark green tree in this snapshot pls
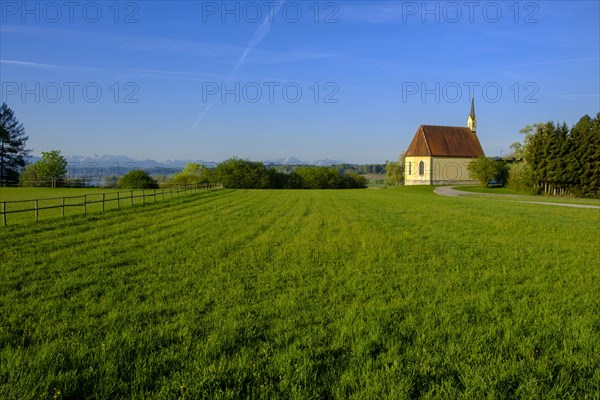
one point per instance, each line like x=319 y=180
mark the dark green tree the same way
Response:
x=583 y=167
x=277 y=180
x=293 y=181
x=355 y=181
x=321 y=178
x=536 y=153
x=137 y=179
x=560 y=161
x=13 y=153
x=235 y=173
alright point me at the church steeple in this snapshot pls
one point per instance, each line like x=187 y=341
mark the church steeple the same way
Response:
x=472 y=119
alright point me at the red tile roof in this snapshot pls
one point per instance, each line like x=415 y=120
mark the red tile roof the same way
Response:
x=444 y=141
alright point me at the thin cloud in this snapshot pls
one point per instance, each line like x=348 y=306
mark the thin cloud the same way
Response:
x=129 y=42
x=578 y=98
x=261 y=32
x=191 y=76
x=37 y=65
x=213 y=50
x=392 y=66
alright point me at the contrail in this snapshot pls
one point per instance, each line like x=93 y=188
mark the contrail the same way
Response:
x=207 y=108
x=261 y=32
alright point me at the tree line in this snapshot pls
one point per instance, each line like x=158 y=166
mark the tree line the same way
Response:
x=557 y=160
x=233 y=173
x=236 y=173
x=361 y=169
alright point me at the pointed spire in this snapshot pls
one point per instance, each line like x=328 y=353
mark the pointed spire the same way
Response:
x=472 y=114
x=472 y=119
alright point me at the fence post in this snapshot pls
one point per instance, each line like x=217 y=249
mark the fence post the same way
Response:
x=3 y=213
x=143 y=197
x=163 y=193
x=103 y=202
x=155 y=195
x=62 y=203
x=36 y=211
x=85 y=203
x=132 y=197
x=118 y=199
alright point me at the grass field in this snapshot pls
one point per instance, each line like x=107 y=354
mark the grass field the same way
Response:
x=394 y=293
x=490 y=190
x=21 y=202
x=543 y=198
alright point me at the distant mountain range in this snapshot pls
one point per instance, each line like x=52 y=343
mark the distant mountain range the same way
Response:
x=295 y=161
x=113 y=162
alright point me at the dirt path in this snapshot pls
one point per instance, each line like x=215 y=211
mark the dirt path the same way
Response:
x=450 y=191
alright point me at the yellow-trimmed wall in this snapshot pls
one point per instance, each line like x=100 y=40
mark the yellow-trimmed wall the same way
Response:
x=438 y=171
x=411 y=171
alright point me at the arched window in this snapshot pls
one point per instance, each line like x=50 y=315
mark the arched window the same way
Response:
x=421 y=168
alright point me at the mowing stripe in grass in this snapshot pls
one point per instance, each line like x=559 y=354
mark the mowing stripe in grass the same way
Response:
x=303 y=294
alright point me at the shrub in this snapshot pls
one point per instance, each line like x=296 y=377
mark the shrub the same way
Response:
x=137 y=179
x=193 y=173
x=29 y=177
x=486 y=169
x=321 y=178
x=355 y=181
x=242 y=174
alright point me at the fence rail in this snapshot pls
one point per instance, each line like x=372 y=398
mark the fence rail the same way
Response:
x=85 y=200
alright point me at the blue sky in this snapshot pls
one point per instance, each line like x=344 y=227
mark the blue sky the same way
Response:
x=345 y=80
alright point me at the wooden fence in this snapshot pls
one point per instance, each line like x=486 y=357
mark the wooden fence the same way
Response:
x=83 y=202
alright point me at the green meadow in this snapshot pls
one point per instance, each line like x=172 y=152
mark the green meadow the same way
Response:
x=392 y=293
x=20 y=203
x=518 y=196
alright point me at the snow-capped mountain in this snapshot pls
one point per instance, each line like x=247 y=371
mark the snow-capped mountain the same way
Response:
x=326 y=162
x=285 y=161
